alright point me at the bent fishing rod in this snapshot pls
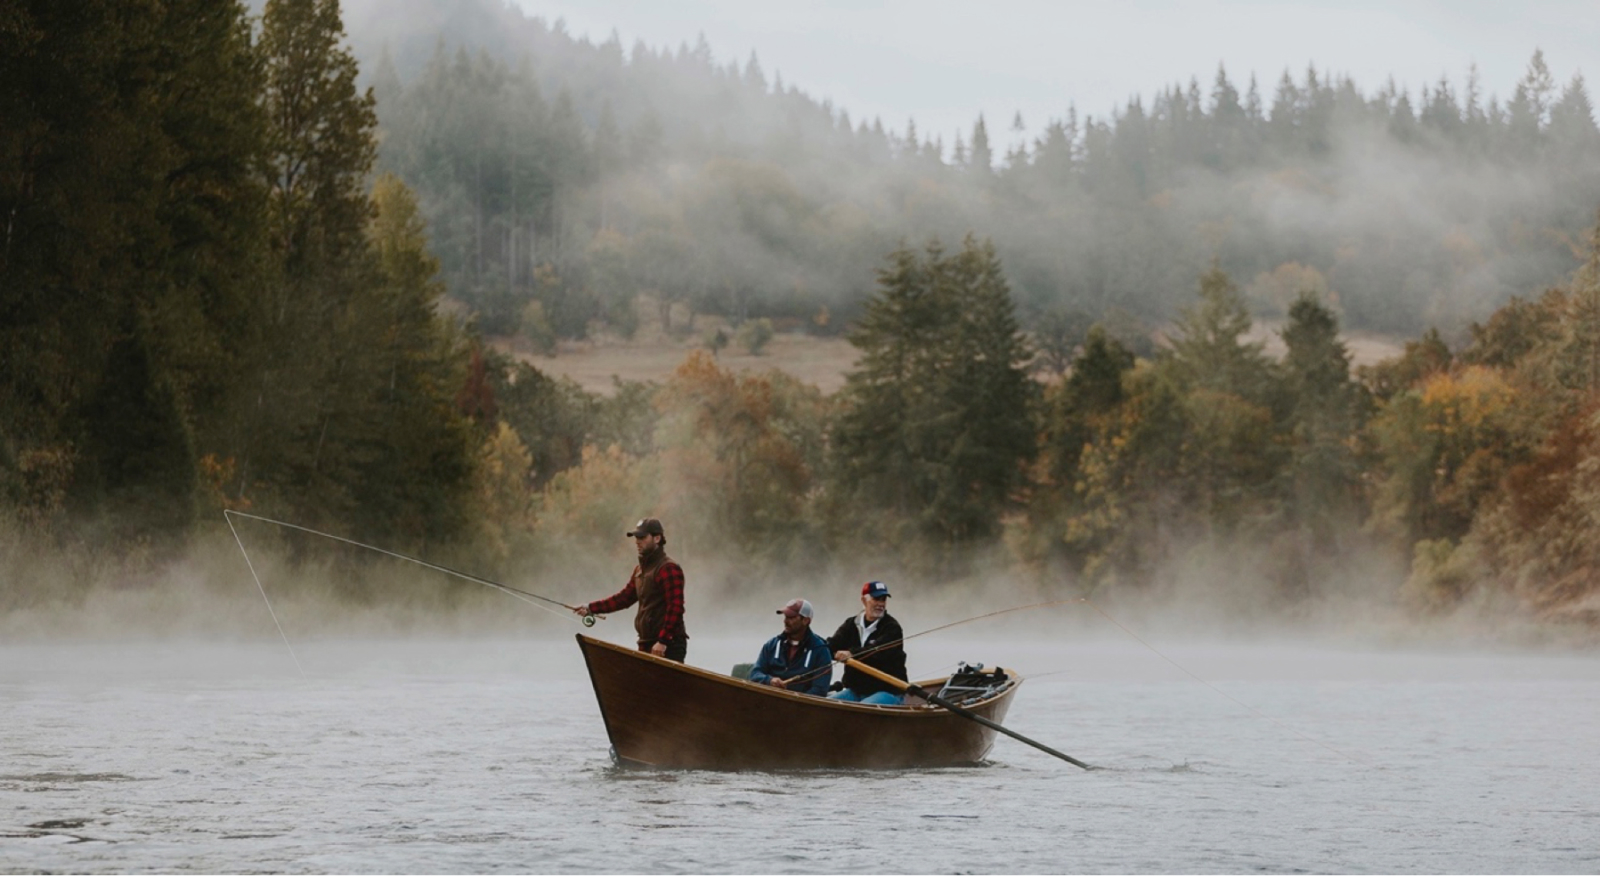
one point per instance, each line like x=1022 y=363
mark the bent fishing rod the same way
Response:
x=524 y=595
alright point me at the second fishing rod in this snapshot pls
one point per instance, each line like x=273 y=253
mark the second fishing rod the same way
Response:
x=534 y=599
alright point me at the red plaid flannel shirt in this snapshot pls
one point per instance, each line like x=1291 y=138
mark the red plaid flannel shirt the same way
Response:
x=670 y=577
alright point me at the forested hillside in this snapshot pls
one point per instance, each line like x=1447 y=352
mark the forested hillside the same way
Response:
x=224 y=267
x=575 y=174
x=209 y=298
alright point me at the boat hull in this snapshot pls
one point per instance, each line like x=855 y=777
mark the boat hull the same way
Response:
x=663 y=714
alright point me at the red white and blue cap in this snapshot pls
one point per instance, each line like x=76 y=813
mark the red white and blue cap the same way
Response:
x=875 y=589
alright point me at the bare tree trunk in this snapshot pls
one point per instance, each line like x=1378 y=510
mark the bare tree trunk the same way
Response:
x=511 y=235
x=477 y=229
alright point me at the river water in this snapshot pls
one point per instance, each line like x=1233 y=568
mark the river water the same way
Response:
x=488 y=755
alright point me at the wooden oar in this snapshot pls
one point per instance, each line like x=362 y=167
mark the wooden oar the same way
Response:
x=937 y=700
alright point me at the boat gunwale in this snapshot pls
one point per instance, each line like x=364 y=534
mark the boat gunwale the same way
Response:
x=926 y=710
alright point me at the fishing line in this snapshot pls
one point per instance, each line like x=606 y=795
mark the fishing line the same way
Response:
x=873 y=650
x=523 y=595
x=264 y=598
x=978 y=618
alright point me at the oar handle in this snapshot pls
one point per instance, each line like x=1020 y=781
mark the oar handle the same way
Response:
x=970 y=715
x=884 y=677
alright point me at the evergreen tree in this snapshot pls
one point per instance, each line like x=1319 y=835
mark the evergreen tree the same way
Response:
x=130 y=245
x=1403 y=123
x=1080 y=404
x=1229 y=123
x=138 y=479
x=303 y=355
x=1328 y=410
x=989 y=398
x=1529 y=109
x=352 y=425
x=1231 y=455
x=1440 y=112
x=980 y=157
x=1209 y=348
x=1572 y=123
x=415 y=481
x=321 y=137
x=1285 y=120
x=935 y=423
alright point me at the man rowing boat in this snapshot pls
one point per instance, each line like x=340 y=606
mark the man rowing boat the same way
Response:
x=657 y=585
x=873 y=638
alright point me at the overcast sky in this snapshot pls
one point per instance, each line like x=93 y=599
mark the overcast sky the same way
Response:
x=942 y=62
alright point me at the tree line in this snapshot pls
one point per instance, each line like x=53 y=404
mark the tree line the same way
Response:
x=209 y=299
x=1446 y=473
x=212 y=299
x=561 y=176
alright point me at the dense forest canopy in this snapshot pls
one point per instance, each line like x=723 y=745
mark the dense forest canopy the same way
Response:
x=708 y=181
x=225 y=262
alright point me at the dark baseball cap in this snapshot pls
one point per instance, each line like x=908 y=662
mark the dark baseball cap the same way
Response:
x=647 y=526
x=875 y=589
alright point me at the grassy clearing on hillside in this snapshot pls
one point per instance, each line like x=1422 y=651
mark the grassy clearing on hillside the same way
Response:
x=820 y=361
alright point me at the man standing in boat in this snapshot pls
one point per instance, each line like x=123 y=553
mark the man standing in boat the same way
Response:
x=657 y=585
x=873 y=638
x=796 y=659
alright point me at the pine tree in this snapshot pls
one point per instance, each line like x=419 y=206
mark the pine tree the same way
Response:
x=415 y=479
x=1209 y=347
x=1328 y=410
x=1403 y=123
x=138 y=479
x=1079 y=405
x=1286 y=123
x=305 y=440
x=130 y=244
x=321 y=135
x=1228 y=123
x=980 y=157
x=990 y=397
x=1230 y=451
x=1572 y=123
x=936 y=422
x=1528 y=111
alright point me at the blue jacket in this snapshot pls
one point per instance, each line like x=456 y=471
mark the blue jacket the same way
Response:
x=814 y=657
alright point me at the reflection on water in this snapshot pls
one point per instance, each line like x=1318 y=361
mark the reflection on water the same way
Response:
x=490 y=756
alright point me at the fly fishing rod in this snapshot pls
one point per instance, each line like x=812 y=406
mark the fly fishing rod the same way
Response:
x=542 y=601
x=890 y=644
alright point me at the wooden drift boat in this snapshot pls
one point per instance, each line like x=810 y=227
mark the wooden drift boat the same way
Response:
x=659 y=713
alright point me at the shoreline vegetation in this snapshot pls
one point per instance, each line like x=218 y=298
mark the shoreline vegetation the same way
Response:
x=1265 y=350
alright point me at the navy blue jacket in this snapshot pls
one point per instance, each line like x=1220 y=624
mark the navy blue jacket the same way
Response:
x=814 y=657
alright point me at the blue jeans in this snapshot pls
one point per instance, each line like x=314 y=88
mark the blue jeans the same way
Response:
x=881 y=698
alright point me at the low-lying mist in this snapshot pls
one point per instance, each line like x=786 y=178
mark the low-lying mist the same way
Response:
x=321 y=591
x=573 y=174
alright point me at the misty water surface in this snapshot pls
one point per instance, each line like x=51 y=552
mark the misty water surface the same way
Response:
x=489 y=755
